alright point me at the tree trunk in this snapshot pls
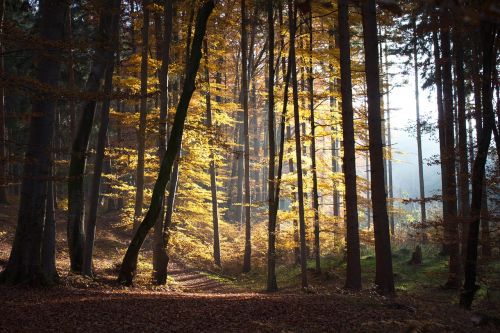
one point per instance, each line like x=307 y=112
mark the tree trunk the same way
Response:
x=298 y=145
x=49 y=269
x=212 y=171
x=383 y=276
x=315 y=195
x=488 y=31
x=272 y=285
x=353 y=271
x=90 y=223
x=450 y=195
x=463 y=174
x=440 y=108
x=129 y=264
x=75 y=227
x=141 y=134
x=160 y=257
x=3 y=137
x=423 y=216
x=244 y=89
x=25 y=261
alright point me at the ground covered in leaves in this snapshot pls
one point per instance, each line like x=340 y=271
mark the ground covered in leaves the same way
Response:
x=196 y=300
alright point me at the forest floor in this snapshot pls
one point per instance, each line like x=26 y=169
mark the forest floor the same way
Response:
x=195 y=300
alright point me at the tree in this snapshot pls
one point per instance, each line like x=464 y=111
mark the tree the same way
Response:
x=488 y=32
x=160 y=257
x=298 y=145
x=141 y=134
x=212 y=171
x=101 y=141
x=353 y=271
x=383 y=276
x=449 y=192
x=25 y=261
x=272 y=209
x=3 y=154
x=129 y=264
x=246 y=140
x=75 y=226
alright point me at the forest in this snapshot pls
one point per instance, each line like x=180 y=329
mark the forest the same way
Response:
x=250 y=165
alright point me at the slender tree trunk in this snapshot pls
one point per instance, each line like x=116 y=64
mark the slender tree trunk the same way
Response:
x=450 y=195
x=353 y=271
x=463 y=174
x=141 y=135
x=25 y=261
x=76 y=198
x=3 y=137
x=272 y=198
x=212 y=170
x=488 y=31
x=129 y=264
x=392 y=221
x=298 y=145
x=315 y=195
x=90 y=223
x=160 y=257
x=244 y=88
x=423 y=215
x=440 y=109
x=383 y=276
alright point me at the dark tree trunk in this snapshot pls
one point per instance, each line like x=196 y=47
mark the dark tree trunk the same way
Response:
x=272 y=285
x=90 y=222
x=488 y=31
x=75 y=227
x=25 y=261
x=244 y=92
x=141 y=134
x=49 y=231
x=463 y=174
x=450 y=195
x=3 y=137
x=212 y=170
x=160 y=257
x=423 y=216
x=315 y=195
x=440 y=109
x=353 y=271
x=383 y=276
x=129 y=264
x=298 y=145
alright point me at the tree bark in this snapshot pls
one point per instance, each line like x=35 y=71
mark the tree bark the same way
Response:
x=463 y=159
x=423 y=216
x=244 y=90
x=298 y=145
x=353 y=271
x=141 y=134
x=129 y=264
x=315 y=195
x=450 y=195
x=160 y=257
x=384 y=279
x=272 y=285
x=488 y=31
x=90 y=223
x=76 y=197
x=212 y=168
x=3 y=137
x=25 y=261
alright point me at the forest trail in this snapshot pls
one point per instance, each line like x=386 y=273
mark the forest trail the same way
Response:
x=193 y=281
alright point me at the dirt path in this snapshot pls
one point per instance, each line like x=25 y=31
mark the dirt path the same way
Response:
x=194 y=281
